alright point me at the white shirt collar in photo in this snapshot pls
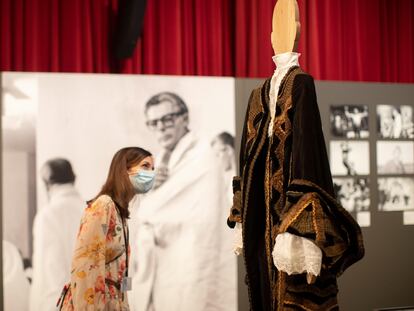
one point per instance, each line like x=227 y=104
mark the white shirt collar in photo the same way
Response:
x=283 y=63
x=59 y=191
x=184 y=144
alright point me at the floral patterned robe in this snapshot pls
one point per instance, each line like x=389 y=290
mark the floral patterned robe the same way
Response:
x=99 y=260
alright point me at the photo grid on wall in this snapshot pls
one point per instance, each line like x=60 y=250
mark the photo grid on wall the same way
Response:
x=394 y=164
x=395 y=160
x=350 y=159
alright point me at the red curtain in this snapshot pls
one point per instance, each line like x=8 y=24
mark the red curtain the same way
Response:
x=370 y=40
x=355 y=40
x=185 y=37
x=55 y=36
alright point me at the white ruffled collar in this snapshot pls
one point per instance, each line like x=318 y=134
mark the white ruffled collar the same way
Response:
x=286 y=60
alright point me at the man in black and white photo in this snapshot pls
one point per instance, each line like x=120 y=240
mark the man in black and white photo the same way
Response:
x=349 y=158
x=223 y=146
x=353 y=193
x=356 y=117
x=395 y=164
x=395 y=194
x=349 y=165
x=177 y=256
x=395 y=122
x=395 y=157
x=54 y=234
x=349 y=121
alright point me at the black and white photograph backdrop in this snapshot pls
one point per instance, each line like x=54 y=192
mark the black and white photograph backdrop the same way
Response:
x=349 y=158
x=349 y=121
x=19 y=108
x=395 y=121
x=176 y=264
x=396 y=194
x=353 y=193
x=395 y=157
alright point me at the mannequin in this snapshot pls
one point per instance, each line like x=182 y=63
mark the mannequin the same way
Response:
x=296 y=238
x=285 y=38
x=285 y=27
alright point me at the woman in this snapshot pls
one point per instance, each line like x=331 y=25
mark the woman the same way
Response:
x=99 y=278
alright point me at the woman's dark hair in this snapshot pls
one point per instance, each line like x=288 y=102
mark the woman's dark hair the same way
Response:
x=118 y=185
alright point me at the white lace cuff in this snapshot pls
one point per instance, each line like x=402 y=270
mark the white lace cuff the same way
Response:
x=294 y=255
x=238 y=239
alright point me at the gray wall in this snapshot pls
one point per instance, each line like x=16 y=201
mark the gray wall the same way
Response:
x=385 y=275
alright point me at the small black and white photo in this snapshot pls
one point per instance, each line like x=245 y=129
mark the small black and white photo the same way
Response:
x=395 y=157
x=395 y=194
x=349 y=121
x=353 y=193
x=395 y=121
x=349 y=158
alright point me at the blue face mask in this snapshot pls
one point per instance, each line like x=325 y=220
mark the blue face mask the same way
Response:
x=142 y=181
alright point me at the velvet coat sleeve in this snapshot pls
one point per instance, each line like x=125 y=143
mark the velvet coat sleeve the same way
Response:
x=236 y=211
x=311 y=210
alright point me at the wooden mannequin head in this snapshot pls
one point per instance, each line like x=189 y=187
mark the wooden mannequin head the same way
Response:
x=285 y=26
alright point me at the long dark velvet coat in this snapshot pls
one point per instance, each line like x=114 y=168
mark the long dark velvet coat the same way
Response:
x=285 y=185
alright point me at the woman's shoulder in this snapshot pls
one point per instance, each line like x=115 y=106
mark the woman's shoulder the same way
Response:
x=102 y=203
x=103 y=199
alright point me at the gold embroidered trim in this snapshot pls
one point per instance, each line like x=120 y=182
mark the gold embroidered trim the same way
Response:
x=287 y=84
x=314 y=306
x=281 y=289
x=236 y=209
x=268 y=233
x=354 y=225
x=282 y=135
x=298 y=305
x=282 y=128
x=246 y=198
x=255 y=108
x=327 y=306
x=297 y=209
